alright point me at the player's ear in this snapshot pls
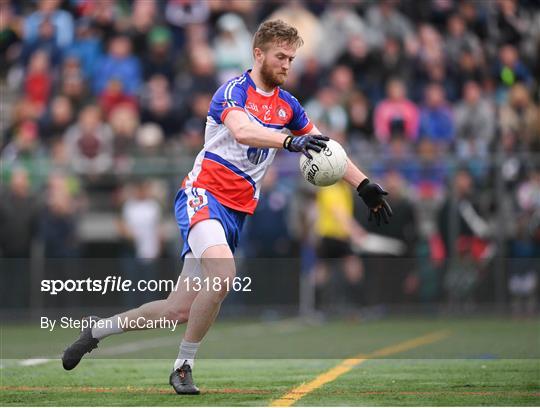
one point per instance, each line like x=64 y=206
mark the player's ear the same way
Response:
x=258 y=54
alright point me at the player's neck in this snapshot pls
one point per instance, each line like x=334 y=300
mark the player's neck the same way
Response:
x=257 y=79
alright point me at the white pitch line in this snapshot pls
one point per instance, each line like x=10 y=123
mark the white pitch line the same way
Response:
x=283 y=326
x=34 y=361
x=131 y=347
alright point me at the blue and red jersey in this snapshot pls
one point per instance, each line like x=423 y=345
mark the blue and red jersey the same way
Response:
x=231 y=171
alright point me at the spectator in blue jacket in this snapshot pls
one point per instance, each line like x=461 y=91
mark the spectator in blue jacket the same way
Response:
x=44 y=41
x=60 y=19
x=436 y=119
x=86 y=47
x=119 y=64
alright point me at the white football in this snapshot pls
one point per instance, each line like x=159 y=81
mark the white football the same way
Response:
x=326 y=167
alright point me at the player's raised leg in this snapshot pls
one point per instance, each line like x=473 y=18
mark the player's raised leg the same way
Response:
x=176 y=308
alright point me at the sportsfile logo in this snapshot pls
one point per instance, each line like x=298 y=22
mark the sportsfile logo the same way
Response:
x=117 y=284
x=103 y=286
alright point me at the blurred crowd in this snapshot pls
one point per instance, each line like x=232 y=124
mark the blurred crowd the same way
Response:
x=436 y=99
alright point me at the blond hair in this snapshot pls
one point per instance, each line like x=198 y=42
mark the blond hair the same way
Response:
x=276 y=31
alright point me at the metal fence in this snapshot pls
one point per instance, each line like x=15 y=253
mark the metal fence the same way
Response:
x=480 y=268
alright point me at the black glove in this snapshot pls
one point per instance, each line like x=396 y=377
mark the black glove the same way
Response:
x=373 y=194
x=303 y=143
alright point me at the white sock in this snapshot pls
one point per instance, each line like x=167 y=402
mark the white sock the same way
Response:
x=186 y=354
x=179 y=362
x=106 y=327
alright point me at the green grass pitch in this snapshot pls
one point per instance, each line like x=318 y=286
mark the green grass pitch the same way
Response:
x=480 y=362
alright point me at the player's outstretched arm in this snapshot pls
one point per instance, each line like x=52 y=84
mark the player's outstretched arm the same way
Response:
x=372 y=193
x=251 y=134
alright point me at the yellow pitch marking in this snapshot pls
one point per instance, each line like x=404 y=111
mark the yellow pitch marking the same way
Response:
x=347 y=365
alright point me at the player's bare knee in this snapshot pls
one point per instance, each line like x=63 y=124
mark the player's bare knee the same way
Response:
x=182 y=316
x=222 y=285
x=217 y=296
x=218 y=286
x=176 y=315
x=219 y=270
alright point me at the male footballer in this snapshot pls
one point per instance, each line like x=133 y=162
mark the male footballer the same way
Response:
x=249 y=119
